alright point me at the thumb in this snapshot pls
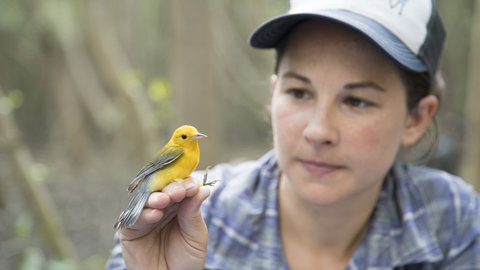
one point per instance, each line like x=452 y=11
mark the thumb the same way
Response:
x=190 y=217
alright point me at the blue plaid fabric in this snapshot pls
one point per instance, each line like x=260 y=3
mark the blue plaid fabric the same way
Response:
x=424 y=219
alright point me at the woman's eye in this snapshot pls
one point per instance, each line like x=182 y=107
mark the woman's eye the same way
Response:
x=299 y=93
x=357 y=102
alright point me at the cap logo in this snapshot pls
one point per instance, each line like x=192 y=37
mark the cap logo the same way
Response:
x=400 y=4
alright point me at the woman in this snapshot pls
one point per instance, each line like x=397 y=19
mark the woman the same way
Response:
x=353 y=84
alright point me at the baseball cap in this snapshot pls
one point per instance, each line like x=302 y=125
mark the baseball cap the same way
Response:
x=409 y=31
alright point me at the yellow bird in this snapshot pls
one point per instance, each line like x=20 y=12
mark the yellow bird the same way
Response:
x=175 y=161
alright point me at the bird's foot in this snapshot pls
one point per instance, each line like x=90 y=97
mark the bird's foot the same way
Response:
x=210 y=183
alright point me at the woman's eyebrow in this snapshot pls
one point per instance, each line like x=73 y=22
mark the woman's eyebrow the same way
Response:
x=291 y=74
x=349 y=86
x=366 y=84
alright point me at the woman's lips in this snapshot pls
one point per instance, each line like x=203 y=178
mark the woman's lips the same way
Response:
x=319 y=169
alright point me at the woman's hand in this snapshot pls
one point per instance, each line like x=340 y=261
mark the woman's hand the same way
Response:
x=170 y=233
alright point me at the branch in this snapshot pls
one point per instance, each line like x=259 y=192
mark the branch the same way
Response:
x=34 y=192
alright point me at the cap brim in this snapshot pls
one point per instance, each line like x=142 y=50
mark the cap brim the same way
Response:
x=269 y=34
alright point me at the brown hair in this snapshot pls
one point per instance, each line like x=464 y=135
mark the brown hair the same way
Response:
x=417 y=86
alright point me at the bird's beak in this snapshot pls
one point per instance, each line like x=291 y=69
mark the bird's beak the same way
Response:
x=199 y=136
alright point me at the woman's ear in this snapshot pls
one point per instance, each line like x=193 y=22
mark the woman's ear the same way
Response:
x=273 y=81
x=419 y=119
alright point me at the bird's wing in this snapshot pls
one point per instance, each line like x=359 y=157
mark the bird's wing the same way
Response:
x=166 y=156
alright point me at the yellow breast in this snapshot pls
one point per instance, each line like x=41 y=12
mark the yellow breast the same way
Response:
x=177 y=170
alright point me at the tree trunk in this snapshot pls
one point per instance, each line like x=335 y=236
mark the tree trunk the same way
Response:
x=470 y=165
x=193 y=74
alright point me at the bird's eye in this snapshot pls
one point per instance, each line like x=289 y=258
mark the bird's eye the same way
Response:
x=184 y=136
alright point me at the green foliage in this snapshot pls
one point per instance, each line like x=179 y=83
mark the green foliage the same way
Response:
x=159 y=90
x=11 y=101
x=159 y=93
x=16 y=98
x=34 y=259
x=60 y=265
x=12 y=15
x=59 y=16
x=40 y=172
x=23 y=226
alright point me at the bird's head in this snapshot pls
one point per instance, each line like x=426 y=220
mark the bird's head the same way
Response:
x=186 y=134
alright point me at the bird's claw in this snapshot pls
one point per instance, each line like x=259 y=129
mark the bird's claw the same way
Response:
x=211 y=183
x=205 y=183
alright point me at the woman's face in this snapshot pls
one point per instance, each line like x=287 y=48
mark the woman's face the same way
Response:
x=339 y=114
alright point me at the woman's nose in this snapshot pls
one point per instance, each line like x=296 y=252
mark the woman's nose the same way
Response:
x=322 y=127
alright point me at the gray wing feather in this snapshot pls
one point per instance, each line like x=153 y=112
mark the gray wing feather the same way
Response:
x=167 y=156
x=134 y=208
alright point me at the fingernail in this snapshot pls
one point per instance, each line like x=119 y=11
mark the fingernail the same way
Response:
x=176 y=188
x=190 y=185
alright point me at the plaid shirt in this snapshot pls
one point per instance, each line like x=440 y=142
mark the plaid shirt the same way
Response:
x=423 y=219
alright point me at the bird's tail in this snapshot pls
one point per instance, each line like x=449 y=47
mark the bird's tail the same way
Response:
x=134 y=208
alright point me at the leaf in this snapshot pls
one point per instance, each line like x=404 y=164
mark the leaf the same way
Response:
x=23 y=226
x=159 y=90
x=32 y=259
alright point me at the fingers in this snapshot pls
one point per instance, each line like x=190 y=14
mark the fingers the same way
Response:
x=162 y=206
x=172 y=193
x=158 y=200
x=175 y=191
x=149 y=220
x=191 y=186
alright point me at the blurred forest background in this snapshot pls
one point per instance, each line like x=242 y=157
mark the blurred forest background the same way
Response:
x=90 y=90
